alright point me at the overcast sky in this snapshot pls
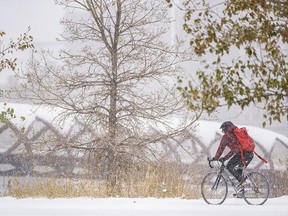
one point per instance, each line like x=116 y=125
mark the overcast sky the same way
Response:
x=41 y=15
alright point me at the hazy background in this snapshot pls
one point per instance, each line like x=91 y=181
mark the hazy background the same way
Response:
x=43 y=16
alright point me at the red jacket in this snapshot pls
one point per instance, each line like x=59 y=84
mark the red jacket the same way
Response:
x=231 y=141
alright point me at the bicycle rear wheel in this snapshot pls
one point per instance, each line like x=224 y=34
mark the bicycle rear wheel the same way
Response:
x=214 y=188
x=256 y=189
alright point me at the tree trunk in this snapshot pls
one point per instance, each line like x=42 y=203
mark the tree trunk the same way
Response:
x=112 y=149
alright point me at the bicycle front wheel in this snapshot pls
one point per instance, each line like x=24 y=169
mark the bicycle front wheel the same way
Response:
x=214 y=188
x=256 y=189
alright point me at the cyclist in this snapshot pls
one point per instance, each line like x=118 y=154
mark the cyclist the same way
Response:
x=230 y=140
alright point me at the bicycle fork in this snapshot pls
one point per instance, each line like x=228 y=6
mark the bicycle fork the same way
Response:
x=216 y=183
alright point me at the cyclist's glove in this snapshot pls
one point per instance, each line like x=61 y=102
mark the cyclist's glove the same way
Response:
x=222 y=159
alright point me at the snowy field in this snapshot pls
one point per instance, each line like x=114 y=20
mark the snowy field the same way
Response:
x=138 y=207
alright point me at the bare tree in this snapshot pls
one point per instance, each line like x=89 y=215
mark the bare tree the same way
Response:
x=116 y=79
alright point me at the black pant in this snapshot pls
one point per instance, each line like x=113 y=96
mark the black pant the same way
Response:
x=236 y=162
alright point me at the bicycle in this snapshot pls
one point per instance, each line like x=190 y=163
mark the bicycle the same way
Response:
x=214 y=188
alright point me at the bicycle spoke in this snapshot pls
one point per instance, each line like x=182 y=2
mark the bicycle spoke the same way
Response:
x=256 y=189
x=214 y=188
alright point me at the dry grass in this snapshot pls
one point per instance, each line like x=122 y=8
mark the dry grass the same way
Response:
x=280 y=182
x=50 y=188
x=165 y=181
x=280 y=187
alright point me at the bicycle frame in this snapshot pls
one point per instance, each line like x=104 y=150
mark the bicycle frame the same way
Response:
x=225 y=173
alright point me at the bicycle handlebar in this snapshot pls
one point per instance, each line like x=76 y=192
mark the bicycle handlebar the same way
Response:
x=211 y=160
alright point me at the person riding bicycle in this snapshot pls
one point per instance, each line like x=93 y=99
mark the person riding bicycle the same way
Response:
x=230 y=140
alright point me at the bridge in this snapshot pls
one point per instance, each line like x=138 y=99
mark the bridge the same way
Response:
x=39 y=151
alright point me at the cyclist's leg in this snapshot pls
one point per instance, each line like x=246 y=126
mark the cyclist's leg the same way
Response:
x=248 y=156
x=235 y=165
x=234 y=162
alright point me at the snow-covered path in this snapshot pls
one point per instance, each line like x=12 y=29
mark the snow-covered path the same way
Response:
x=138 y=207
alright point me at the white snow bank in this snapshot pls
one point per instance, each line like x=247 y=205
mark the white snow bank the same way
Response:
x=132 y=207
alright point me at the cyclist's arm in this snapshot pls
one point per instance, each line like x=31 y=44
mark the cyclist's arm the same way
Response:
x=221 y=148
x=229 y=155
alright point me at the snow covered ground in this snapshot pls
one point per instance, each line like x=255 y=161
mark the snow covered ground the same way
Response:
x=138 y=207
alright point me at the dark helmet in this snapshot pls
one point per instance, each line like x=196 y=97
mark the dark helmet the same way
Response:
x=225 y=126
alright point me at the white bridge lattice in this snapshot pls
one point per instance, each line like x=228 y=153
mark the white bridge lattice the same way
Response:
x=23 y=154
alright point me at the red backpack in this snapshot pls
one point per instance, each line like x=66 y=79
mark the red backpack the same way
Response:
x=247 y=143
x=245 y=140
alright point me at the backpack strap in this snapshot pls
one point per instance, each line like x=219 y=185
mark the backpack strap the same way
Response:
x=243 y=159
x=261 y=158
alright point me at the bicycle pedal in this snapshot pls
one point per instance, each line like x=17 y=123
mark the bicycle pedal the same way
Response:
x=238 y=195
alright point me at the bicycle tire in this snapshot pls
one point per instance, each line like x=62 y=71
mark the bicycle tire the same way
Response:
x=256 y=189
x=214 y=195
